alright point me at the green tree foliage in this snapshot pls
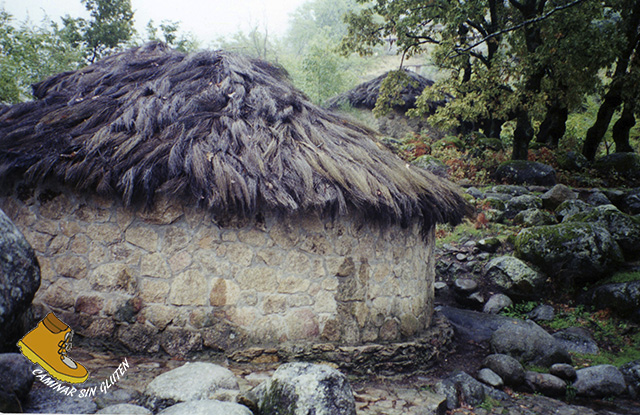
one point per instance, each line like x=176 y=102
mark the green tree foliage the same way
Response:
x=508 y=60
x=30 y=54
x=171 y=35
x=110 y=26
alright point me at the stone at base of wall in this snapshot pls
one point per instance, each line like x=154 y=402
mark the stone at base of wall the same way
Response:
x=390 y=358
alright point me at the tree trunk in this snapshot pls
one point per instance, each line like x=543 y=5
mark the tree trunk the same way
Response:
x=621 y=129
x=522 y=137
x=554 y=125
x=612 y=101
x=492 y=127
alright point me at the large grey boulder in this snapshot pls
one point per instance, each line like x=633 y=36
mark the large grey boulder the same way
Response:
x=599 y=381
x=303 y=389
x=623 y=298
x=459 y=387
x=631 y=373
x=19 y=281
x=514 y=276
x=206 y=407
x=16 y=378
x=507 y=367
x=528 y=343
x=473 y=325
x=626 y=165
x=190 y=382
x=545 y=383
x=574 y=253
x=523 y=171
x=624 y=229
x=577 y=340
x=556 y=195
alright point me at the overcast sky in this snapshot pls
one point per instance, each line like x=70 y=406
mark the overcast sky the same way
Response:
x=207 y=20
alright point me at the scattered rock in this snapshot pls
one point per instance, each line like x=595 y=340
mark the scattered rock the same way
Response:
x=624 y=229
x=19 y=281
x=497 y=303
x=16 y=375
x=631 y=202
x=599 y=381
x=510 y=190
x=489 y=245
x=631 y=373
x=473 y=325
x=43 y=399
x=460 y=388
x=192 y=381
x=598 y=199
x=543 y=312
x=522 y=171
x=563 y=371
x=623 y=298
x=529 y=343
x=433 y=165
x=505 y=366
x=534 y=217
x=575 y=253
x=626 y=165
x=577 y=340
x=206 y=407
x=556 y=196
x=465 y=286
x=521 y=203
x=489 y=377
x=545 y=384
x=305 y=388
x=570 y=208
x=125 y=408
x=475 y=193
x=514 y=276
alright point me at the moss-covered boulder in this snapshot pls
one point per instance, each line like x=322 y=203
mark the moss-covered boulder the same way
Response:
x=305 y=388
x=626 y=165
x=569 y=208
x=523 y=171
x=624 y=229
x=432 y=164
x=514 y=277
x=534 y=217
x=571 y=253
x=521 y=203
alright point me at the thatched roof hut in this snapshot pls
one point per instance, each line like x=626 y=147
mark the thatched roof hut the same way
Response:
x=168 y=132
x=366 y=94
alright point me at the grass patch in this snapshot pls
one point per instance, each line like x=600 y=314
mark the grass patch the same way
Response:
x=621 y=277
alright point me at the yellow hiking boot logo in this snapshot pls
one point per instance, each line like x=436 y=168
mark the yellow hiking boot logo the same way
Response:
x=47 y=345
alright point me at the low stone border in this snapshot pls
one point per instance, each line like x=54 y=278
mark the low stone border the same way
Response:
x=390 y=358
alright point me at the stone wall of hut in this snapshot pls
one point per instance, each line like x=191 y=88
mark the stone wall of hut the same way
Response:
x=176 y=279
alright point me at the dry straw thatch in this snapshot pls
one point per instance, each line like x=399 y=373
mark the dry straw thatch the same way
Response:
x=366 y=94
x=215 y=129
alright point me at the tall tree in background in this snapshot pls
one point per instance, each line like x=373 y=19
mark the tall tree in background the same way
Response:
x=30 y=54
x=523 y=60
x=623 y=89
x=110 y=26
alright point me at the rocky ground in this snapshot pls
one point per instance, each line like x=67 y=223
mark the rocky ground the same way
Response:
x=480 y=271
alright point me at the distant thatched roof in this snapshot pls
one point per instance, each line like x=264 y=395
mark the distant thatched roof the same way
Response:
x=214 y=129
x=366 y=94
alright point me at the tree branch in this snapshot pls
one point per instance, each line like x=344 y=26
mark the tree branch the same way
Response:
x=520 y=25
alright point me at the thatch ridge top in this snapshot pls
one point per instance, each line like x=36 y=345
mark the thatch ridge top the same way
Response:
x=212 y=128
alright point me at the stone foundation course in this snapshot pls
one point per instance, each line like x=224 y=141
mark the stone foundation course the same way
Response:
x=178 y=280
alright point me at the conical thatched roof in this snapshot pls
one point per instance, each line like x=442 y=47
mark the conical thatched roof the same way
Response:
x=366 y=94
x=215 y=129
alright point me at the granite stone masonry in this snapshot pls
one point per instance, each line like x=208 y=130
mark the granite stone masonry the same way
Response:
x=177 y=279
